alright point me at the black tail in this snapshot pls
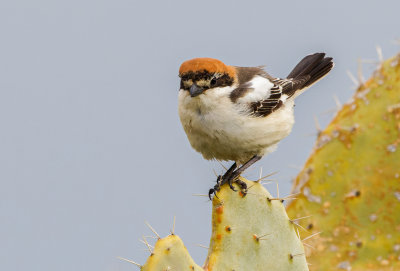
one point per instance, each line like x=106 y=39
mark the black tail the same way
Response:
x=311 y=68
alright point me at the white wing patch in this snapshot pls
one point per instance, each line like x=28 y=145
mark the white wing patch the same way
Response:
x=259 y=89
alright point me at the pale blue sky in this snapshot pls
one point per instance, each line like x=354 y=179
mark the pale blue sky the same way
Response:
x=90 y=143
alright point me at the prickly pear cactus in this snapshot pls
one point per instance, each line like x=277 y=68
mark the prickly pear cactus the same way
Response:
x=249 y=232
x=351 y=183
x=170 y=254
x=253 y=232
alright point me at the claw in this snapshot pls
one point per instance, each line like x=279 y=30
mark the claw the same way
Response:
x=243 y=186
x=215 y=189
x=210 y=192
x=226 y=178
x=230 y=182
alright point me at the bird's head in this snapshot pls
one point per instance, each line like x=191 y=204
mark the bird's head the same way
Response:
x=205 y=74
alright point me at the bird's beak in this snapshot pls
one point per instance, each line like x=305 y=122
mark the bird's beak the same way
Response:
x=195 y=90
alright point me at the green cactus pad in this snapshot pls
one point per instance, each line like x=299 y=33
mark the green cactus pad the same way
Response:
x=252 y=232
x=249 y=232
x=351 y=182
x=170 y=254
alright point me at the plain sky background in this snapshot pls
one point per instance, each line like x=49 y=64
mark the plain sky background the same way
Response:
x=90 y=143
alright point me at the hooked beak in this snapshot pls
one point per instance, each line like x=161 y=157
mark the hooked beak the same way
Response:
x=195 y=90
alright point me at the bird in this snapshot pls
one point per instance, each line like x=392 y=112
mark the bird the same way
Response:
x=239 y=114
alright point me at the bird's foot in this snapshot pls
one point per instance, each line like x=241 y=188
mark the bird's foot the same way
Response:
x=232 y=175
x=230 y=180
x=234 y=178
x=243 y=186
x=216 y=188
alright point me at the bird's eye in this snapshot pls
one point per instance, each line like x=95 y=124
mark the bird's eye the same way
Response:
x=213 y=81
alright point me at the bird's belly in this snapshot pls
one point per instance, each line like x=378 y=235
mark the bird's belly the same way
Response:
x=228 y=135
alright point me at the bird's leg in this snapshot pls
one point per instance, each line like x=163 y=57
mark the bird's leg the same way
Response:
x=239 y=171
x=232 y=174
x=227 y=176
x=245 y=166
x=220 y=180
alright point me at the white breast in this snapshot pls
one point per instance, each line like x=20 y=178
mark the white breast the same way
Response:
x=218 y=128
